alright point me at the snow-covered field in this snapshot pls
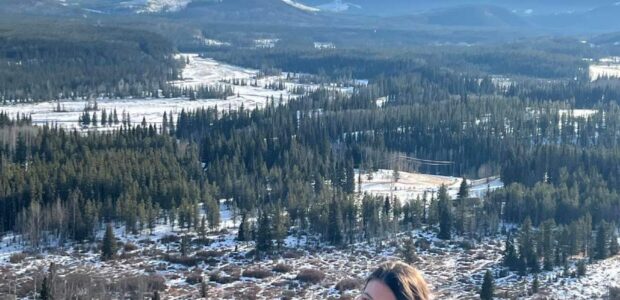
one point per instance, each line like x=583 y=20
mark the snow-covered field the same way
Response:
x=412 y=185
x=578 y=113
x=199 y=71
x=605 y=68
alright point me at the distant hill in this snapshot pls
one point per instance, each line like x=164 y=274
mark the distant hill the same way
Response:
x=475 y=15
x=600 y=19
x=403 y=7
x=531 y=16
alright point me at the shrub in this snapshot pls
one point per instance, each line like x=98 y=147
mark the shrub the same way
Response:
x=310 y=276
x=169 y=239
x=209 y=254
x=156 y=283
x=347 y=284
x=17 y=257
x=130 y=247
x=126 y=255
x=614 y=293
x=188 y=261
x=257 y=273
x=466 y=245
x=202 y=241
x=423 y=244
x=282 y=268
x=222 y=279
x=193 y=278
x=292 y=254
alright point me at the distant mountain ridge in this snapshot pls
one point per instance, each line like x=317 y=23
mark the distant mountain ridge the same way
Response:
x=569 y=16
x=404 y=7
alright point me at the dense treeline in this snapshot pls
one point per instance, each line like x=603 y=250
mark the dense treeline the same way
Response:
x=73 y=60
x=547 y=74
x=57 y=185
x=301 y=157
x=280 y=149
x=506 y=60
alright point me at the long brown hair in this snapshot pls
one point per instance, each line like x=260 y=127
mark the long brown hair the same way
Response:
x=405 y=281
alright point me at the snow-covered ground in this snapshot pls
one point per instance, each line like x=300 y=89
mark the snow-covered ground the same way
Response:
x=605 y=68
x=155 y=6
x=412 y=185
x=595 y=285
x=578 y=113
x=199 y=71
x=454 y=269
x=301 y=6
x=338 y=6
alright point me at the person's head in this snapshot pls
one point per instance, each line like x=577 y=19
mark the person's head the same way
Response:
x=395 y=281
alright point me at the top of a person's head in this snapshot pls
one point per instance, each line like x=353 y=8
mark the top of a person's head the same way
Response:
x=404 y=281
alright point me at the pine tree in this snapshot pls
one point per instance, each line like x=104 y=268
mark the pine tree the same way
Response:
x=264 y=234
x=408 y=251
x=104 y=118
x=445 y=214
x=511 y=259
x=213 y=214
x=204 y=290
x=108 y=250
x=581 y=268
x=614 y=248
x=334 y=231
x=45 y=293
x=202 y=229
x=21 y=149
x=156 y=296
x=527 y=249
x=279 y=227
x=164 y=123
x=601 y=250
x=547 y=240
x=115 y=117
x=463 y=190
x=535 y=285
x=488 y=286
x=185 y=245
x=243 y=235
x=349 y=185
x=396 y=174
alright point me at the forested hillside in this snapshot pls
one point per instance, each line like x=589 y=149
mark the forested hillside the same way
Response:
x=65 y=184
x=50 y=60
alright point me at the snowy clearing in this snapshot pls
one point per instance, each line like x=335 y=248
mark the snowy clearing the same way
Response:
x=413 y=185
x=199 y=72
x=578 y=113
x=605 y=67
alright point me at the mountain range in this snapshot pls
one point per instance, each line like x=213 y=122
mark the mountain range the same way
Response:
x=569 y=16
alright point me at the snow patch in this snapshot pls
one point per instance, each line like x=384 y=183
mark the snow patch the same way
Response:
x=301 y=6
x=410 y=186
x=605 y=67
x=155 y=6
x=338 y=6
